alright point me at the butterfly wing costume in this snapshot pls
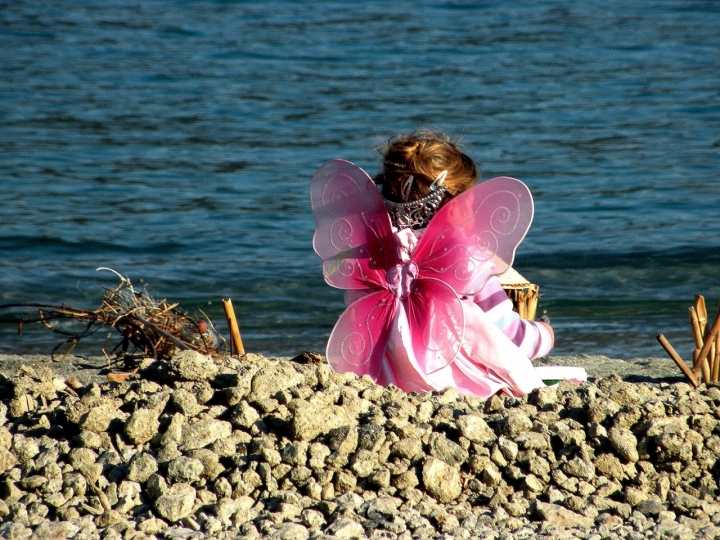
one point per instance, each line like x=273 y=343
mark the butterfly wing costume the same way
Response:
x=412 y=324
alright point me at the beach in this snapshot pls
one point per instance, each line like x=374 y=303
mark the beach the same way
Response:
x=251 y=447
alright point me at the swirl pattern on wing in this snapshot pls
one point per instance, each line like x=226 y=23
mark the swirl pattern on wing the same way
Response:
x=475 y=235
x=437 y=324
x=358 y=341
x=353 y=234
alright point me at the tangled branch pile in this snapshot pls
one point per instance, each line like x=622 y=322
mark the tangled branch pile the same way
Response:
x=148 y=327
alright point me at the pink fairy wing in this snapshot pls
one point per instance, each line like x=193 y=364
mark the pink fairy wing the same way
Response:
x=353 y=234
x=358 y=341
x=437 y=323
x=475 y=235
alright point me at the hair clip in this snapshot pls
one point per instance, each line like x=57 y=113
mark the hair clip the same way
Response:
x=407 y=185
x=439 y=181
x=396 y=165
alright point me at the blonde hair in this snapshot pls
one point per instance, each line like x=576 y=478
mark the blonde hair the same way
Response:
x=424 y=155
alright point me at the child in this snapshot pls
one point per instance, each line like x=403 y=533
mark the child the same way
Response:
x=412 y=321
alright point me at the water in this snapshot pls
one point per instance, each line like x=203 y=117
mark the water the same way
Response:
x=174 y=141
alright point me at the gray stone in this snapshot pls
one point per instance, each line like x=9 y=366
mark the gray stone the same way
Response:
x=441 y=480
x=363 y=463
x=514 y=422
x=311 y=420
x=176 y=503
x=56 y=530
x=193 y=366
x=204 y=432
x=97 y=419
x=24 y=448
x=142 y=425
x=579 y=468
x=625 y=443
x=343 y=439
x=475 y=429
x=185 y=468
x=243 y=415
x=141 y=467
x=186 y=402
x=407 y=448
x=290 y=531
x=651 y=507
x=346 y=528
x=562 y=517
x=272 y=378
x=451 y=453
x=7 y=460
x=14 y=531
x=684 y=502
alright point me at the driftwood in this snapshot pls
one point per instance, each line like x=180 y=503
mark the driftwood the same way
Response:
x=147 y=327
x=235 y=340
x=706 y=355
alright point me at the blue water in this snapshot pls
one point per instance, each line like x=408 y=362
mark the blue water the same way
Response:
x=174 y=142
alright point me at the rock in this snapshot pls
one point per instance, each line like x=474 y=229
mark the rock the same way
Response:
x=579 y=468
x=625 y=443
x=407 y=448
x=176 y=503
x=441 y=480
x=107 y=518
x=609 y=465
x=651 y=508
x=451 y=453
x=204 y=432
x=14 y=531
x=243 y=415
x=141 y=467
x=684 y=502
x=193 y=366
x=514 y=422
x=273 y=378
x=311 y=420
x=346 y=528
x=475 y=429
x=290 y=531
x=186 y=402
x=561 y=517
x=303 y=451
x=7 y=461
x=56 y=530
x=185 y=469
x=312 y=518
x=364 y=463
x=97 y=419
x=25 y=448
x=142 y=425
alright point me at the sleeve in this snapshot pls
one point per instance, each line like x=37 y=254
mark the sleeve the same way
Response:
x=533 y=339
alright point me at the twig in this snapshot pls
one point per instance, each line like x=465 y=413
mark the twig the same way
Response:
x=235 y=339
x=709 y=342
x=162 y=332
x=698 y=367
x=676 y=358
x=716 y=360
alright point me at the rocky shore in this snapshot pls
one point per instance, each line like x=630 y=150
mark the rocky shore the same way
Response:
x=260 y=447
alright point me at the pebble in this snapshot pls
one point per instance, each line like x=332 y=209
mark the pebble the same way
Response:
x=223 y=448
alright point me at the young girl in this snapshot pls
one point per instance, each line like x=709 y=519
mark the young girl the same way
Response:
x=426 y=314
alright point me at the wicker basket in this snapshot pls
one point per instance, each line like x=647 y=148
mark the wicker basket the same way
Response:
x=522 y=293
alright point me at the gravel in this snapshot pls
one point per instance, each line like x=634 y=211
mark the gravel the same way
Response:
x=263 y=447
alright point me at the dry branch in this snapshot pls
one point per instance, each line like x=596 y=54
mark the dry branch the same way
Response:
x=147 y=327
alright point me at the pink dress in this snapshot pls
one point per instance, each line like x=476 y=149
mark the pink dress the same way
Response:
x=478 y=370
x=425 y=311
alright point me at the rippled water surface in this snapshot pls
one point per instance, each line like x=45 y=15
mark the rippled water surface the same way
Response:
x=174 y=142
